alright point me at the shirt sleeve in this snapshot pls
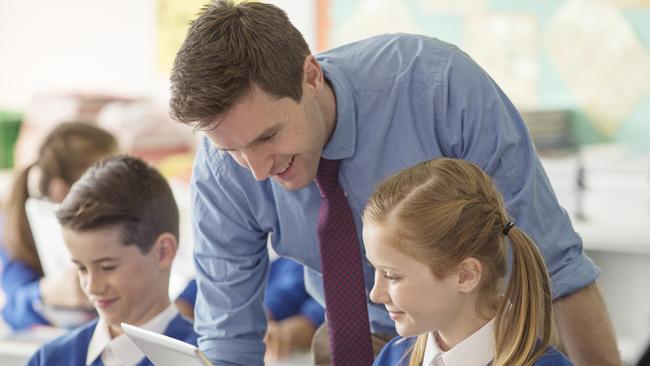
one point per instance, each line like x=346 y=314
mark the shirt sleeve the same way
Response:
x=231 y=263
x=21 y=286
x=477 y=122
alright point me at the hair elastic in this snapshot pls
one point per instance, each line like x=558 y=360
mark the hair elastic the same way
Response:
x=507 y=228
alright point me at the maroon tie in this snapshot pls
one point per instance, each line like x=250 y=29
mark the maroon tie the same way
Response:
x=345 y=294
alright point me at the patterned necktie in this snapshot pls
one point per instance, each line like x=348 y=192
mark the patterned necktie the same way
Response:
x=345 y=294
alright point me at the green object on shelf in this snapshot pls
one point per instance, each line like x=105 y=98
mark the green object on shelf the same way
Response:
x=9 y=128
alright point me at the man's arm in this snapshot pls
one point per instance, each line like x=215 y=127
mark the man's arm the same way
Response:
x=584 y=327
x=231 y=262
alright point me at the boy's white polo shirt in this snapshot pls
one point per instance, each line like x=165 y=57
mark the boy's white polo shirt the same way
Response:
x=121 y=351
x=475 y=350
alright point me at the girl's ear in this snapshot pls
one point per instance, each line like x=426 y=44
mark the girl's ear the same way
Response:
x=470 y=271
x=165 y=250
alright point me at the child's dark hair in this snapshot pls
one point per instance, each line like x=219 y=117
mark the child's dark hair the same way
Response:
x=125 y=192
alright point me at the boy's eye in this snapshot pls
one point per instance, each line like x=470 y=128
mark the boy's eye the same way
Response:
x=268 y=138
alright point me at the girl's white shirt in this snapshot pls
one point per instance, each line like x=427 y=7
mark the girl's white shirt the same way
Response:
x=475 y=350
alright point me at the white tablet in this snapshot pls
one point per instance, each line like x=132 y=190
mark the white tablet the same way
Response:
x=48 y=236
x=163 y=350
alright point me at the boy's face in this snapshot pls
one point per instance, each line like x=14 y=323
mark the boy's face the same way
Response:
x=123 y=284
x=275 y=138
x=415 y=299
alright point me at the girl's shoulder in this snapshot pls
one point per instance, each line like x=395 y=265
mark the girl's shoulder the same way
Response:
x=553 y=357
x=395 y=352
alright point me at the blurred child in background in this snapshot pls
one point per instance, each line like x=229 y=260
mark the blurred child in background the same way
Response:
x=436 y=235
x=64 y=155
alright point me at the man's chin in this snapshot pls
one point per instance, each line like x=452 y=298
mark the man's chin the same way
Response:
x=291 y=185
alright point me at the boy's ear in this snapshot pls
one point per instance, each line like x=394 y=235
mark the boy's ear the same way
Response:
x=470 y=272
x=165 y=249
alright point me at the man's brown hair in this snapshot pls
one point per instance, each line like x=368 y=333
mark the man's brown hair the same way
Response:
x=229 y=48
x=124 y=192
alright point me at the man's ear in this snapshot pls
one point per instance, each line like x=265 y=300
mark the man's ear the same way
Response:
x=470 y=272
x=165 y=249
x=313 y=75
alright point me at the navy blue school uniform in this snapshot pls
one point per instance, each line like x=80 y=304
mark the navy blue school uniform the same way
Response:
x=72 y=348
x=20 y=284
x=397 y=353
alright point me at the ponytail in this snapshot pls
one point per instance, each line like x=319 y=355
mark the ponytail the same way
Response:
x=525 y=312
x=417 y=354
x=19 y=241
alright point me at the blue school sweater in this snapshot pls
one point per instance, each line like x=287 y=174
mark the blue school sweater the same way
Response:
x=397 y=353
x=72 y=348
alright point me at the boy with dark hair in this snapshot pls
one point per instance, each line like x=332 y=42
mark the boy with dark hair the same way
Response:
x=120 y=224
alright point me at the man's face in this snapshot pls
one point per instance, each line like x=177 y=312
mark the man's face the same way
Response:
x=274 y=138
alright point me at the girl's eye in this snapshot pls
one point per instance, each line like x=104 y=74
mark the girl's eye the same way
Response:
x=108 y=268
x=391 y=278
x=81 y=269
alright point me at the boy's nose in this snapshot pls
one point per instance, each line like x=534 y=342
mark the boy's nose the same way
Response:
x=95 y=284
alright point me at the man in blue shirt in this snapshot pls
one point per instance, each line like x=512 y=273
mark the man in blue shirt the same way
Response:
x=245 y=76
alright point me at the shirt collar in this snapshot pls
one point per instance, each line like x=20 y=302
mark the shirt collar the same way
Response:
x=121 y=348
x=475 y=350
x=342 y=143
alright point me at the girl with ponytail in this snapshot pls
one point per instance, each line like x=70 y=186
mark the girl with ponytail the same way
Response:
x=436 y=235
x=67 y=151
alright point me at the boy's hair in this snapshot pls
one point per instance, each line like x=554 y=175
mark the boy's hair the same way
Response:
x=67 y=151
x=443 y=211
x=125 y=192
x=229 y=48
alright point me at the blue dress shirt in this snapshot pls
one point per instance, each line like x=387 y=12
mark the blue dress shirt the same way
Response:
x=400 y=99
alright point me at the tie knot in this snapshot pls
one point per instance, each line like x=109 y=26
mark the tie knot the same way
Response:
x=327 y=176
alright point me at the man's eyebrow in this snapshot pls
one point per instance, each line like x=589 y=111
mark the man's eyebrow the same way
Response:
x=266 y=133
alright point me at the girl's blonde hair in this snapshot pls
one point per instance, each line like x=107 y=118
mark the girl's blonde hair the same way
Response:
x=445 y=210
x=67 y=151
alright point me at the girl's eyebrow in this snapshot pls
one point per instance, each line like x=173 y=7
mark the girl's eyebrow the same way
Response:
x=384 y=268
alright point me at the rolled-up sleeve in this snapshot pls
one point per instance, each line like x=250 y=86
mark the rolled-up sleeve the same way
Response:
x=477 y=122
x=231 y=266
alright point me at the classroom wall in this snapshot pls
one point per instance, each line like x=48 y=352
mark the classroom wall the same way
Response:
x=118 y=46
x=591 y=57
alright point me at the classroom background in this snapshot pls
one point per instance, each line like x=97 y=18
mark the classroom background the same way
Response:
x=578 y=70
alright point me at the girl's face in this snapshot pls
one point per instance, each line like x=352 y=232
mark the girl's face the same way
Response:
x=416 y=300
